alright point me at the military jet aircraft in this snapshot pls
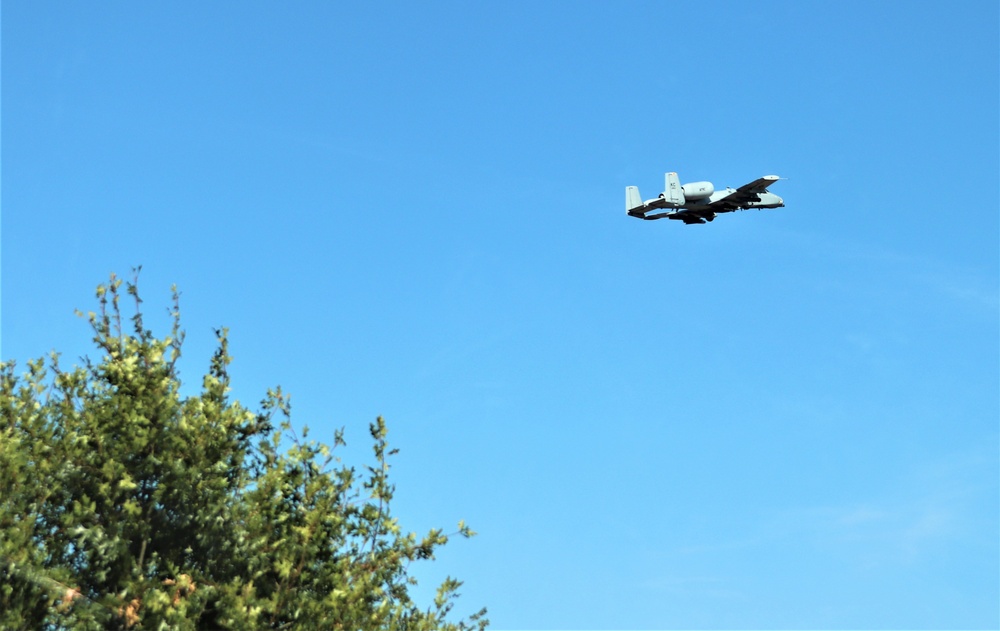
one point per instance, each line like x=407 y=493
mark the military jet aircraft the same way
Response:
x=699 y=202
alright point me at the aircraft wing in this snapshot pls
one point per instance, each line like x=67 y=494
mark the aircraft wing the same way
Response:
x=744 y=195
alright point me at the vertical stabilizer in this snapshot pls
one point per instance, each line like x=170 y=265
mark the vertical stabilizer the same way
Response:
x=632 y=199
x=672 y=190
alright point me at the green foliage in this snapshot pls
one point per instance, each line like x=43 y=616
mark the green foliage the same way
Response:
x=124 y=504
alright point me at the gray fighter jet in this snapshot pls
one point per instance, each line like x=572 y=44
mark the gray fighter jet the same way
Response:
x=699 y=202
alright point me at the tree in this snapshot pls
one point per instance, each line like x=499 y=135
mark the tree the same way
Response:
x=124 y=504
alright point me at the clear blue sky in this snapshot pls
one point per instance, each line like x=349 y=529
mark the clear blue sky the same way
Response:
x=783 y=419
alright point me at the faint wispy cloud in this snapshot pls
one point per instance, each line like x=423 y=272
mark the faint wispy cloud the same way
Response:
x=963 y=289
x=711 y=587
x=932 y=507
x=976 y=287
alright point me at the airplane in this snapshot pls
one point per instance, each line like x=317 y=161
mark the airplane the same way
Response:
x=699 y=202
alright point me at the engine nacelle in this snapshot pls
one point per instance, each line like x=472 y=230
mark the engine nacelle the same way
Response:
x=698 y=190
